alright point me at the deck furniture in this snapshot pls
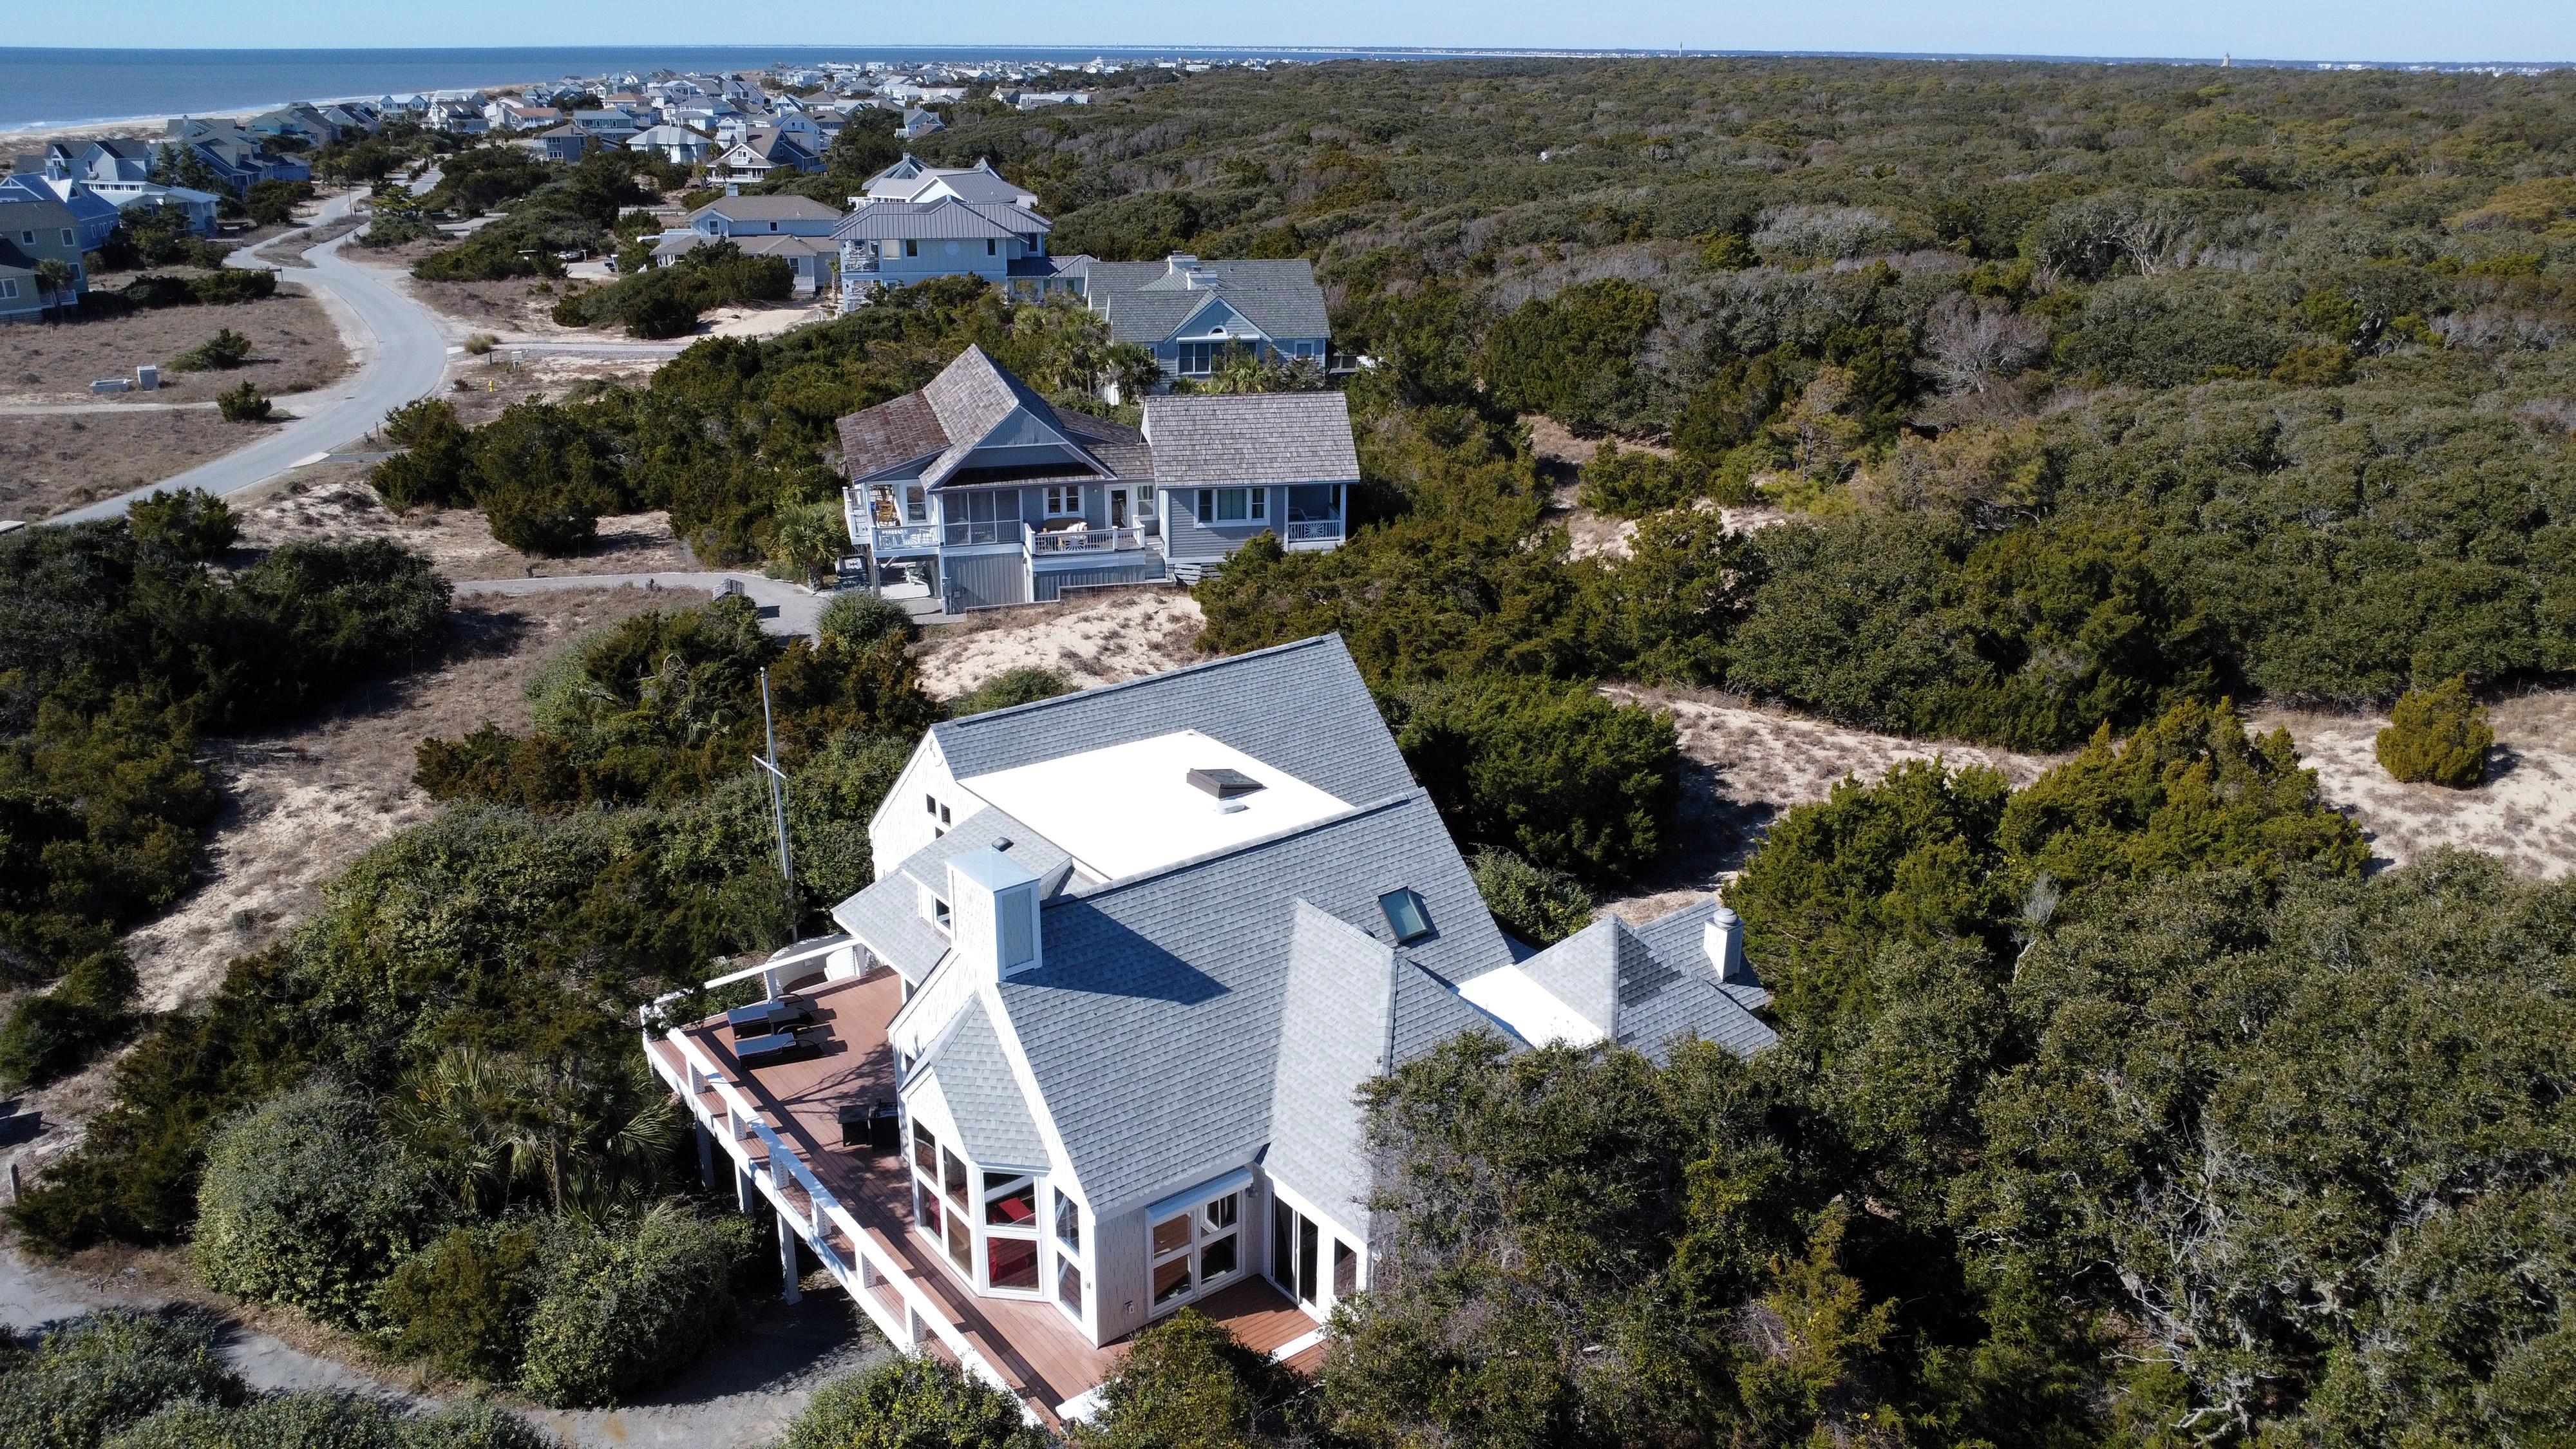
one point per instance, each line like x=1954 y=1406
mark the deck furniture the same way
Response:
x=764 y=1018
x=803 y=1044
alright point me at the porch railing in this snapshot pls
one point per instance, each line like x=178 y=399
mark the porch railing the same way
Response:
x=907 y=539
x=870 y=1266
x=1043 y=544
x=1305 y=532
x=1007 y=530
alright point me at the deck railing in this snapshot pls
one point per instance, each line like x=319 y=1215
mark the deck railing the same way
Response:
x=1044 y=544
x=1302 y=531
x=870 y=1265
x=907 y=538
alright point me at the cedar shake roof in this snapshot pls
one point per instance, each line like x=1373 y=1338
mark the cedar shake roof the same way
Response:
x=1263 y=437
x=959 y=408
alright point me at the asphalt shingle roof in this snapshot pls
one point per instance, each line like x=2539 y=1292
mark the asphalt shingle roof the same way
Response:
x=1301 y=707
x=992 y=1116
x=1148 y=302
x=1648 y=986
x=886 y=915
x=1264 y=437
x=1153 y=1028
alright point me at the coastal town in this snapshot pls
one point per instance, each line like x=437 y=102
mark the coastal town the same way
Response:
x=1288 y=750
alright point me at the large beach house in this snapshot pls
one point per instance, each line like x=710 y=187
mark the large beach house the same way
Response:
x=975 y=492
x=1088 y=1049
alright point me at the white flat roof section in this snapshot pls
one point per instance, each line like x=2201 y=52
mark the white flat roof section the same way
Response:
x=1131 y=808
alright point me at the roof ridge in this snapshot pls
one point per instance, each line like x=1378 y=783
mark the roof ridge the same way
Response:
x=1258 y=842
x=1016 y=710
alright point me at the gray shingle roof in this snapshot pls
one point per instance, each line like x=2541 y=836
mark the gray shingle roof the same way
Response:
x=1154 y=1026
x=768 y=208
x=1263 y=437
x=886 y=915
x=1301 y=707
x=993 y=1121
x=1647 y=986
x=1147 y=302
x=958 y=409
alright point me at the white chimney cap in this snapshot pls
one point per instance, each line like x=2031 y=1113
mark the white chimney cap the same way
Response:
x=1723 y=939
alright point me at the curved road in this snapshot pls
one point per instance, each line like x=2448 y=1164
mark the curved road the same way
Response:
x=404 y=355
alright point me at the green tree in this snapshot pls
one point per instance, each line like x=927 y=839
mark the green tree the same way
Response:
x=1188 y=1383
x=911 y=1401
x=1541 y=907
x=244 y=404
x=1552 y=772
x=2439 y=735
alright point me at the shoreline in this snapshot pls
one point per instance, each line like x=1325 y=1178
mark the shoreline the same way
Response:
x=156 y=125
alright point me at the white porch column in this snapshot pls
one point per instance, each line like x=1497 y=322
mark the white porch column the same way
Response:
x=787 y=1258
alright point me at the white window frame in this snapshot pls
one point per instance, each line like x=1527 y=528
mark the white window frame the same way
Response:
x=1253 y=503
x=8 y=288
x=1260 y=501
x=987 y=1231
x=1216 y=1214
x=1064 y=501
x=1063 y=1256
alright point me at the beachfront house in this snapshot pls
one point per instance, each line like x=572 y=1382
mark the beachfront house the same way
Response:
x=1070 y=1067
x=975 y=493
x=224 y=153
x=119 y=172
x=94 y=217
x=39 y=228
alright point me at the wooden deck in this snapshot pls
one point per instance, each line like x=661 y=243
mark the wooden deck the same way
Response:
x=1046 y=1358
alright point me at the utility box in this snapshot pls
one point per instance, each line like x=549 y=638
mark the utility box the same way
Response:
x=106 y=385
x=147 y=378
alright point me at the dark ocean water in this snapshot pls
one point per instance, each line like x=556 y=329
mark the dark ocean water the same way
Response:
x=68 y=87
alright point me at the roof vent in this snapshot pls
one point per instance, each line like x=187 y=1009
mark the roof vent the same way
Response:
x=1405 y=915
x=1228 y=786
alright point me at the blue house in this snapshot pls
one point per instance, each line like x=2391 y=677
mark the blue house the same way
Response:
x=1192 y=313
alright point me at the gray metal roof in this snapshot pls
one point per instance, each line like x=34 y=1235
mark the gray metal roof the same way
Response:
x=1262 y=437
x=886 y=915
x=1648 y=986
x=946 y=219
x=1301 y=707
x=1150 y=301
x=992 y=1116
x=1154 y=1025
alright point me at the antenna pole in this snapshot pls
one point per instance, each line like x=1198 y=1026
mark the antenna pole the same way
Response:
x=777 y=793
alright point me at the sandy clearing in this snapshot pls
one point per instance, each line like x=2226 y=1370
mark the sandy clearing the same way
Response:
x=480 y=387
x=2525 y=812
x=332 y=504
x=1745 y=764
x=1108 y=638
x=300 y=804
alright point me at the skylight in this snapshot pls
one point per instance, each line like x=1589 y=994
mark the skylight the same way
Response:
x=1405 y=915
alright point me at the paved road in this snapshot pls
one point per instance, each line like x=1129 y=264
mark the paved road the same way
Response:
x=402 y=356
x=797 y=609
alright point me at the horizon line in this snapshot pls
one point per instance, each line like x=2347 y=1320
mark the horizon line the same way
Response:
x=1361 y=51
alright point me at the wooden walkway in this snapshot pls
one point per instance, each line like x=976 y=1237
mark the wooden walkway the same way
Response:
x=1046 y=1358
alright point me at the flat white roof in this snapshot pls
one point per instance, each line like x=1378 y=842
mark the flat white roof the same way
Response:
x=1126 y=809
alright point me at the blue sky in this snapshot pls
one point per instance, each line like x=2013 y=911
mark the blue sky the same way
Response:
x=2303 y=29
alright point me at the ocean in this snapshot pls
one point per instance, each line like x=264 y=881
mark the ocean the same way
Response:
x=76 y=87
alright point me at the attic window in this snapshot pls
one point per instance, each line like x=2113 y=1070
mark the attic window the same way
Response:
x=1224 y=784
x=1405 y=915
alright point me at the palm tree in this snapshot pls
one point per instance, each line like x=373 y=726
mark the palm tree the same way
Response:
x=587 y=1138
x=54 y=277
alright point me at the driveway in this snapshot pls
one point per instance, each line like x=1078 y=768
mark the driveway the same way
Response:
x=402 y=353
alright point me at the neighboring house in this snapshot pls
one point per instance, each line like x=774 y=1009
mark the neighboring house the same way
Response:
x=920 y=123
x=813 y=258
x=507 y=116
x=748 y=216
x=679 y=145
x=42 y=229
x=300 y=120
x=1039 y=100
x=94 y=216
x=897 y=243
x=976 y=493
x=566 y=143
x=765 y=151
x=1130 y=956
x=614 y=126
x=120 y=172
x=910 y=180
x=22 y=297
x=1193 y=312
x=233 y=155
x=458 y=118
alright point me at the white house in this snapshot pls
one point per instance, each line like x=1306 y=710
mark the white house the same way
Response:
x=1129 y=957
